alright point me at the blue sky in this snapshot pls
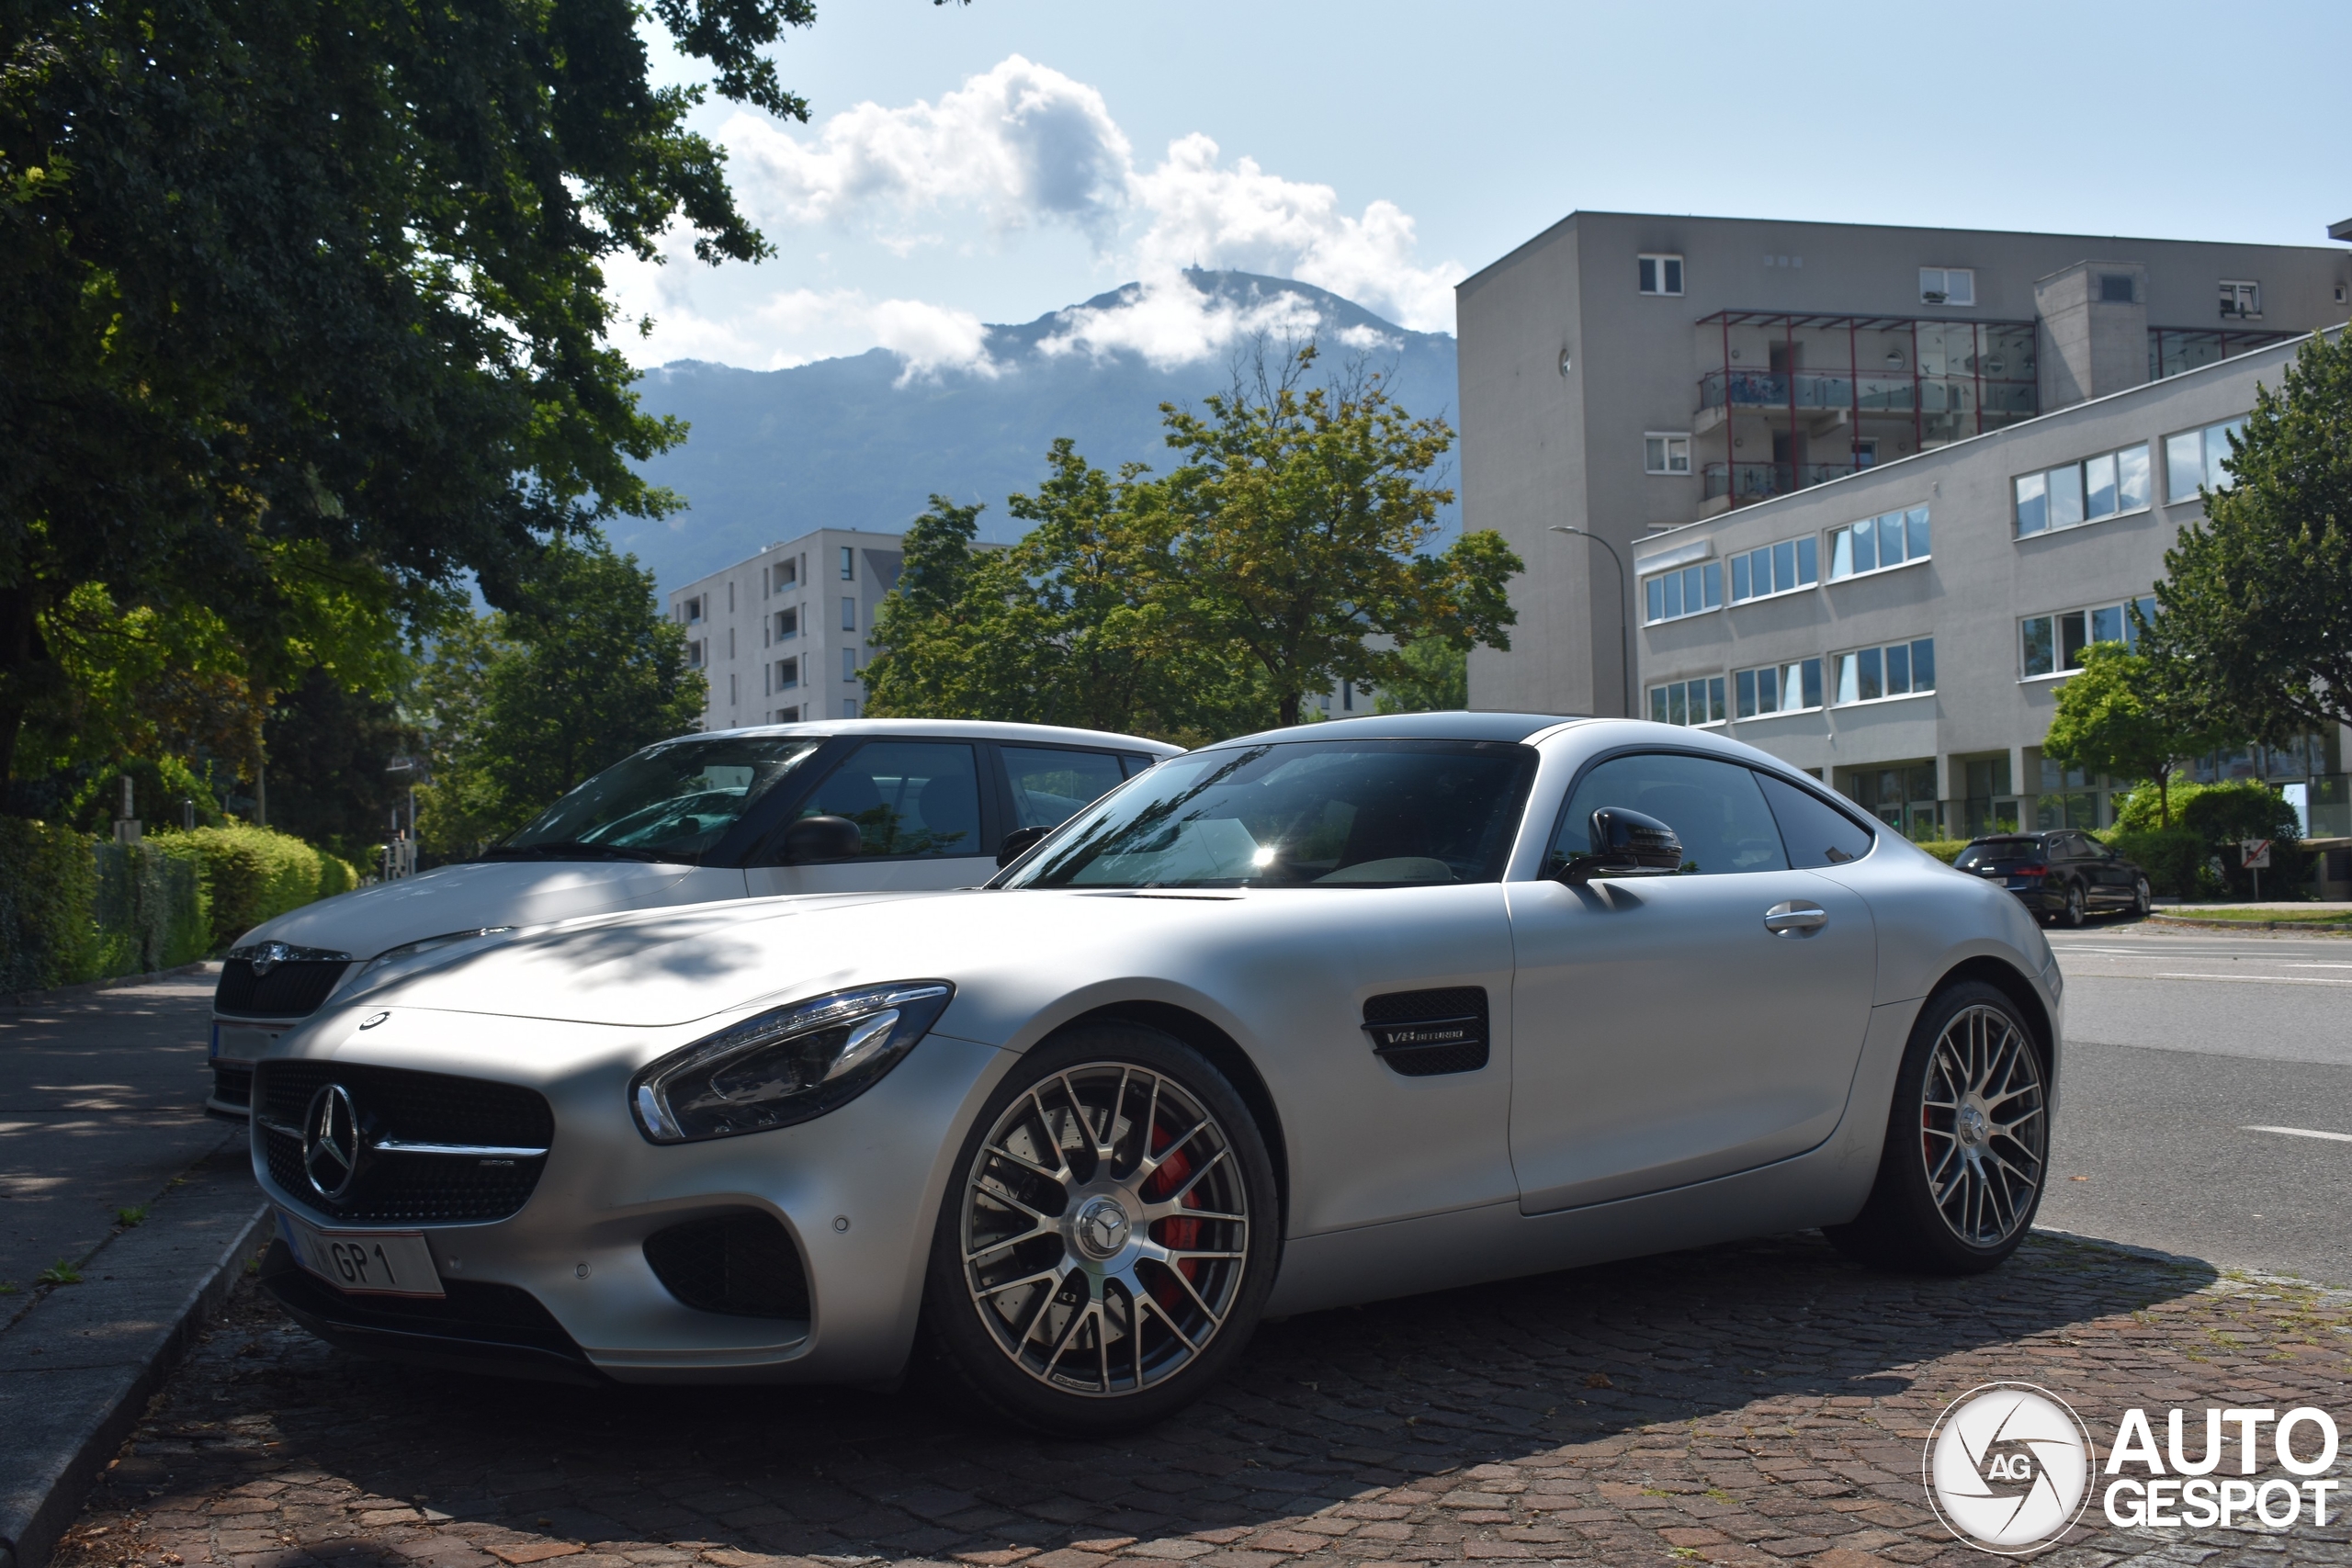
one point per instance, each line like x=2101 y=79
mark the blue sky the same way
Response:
x=989 y=162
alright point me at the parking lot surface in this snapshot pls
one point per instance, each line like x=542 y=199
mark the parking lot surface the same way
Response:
x=1743 y=1404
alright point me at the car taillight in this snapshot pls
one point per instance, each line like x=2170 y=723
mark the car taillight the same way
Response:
x=2030 y=871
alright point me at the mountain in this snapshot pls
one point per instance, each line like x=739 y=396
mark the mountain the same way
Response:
x=863 y=443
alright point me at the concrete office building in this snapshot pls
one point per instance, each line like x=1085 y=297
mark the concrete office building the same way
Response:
x=1901 y=632
x=782 y=637
x=1623 y=373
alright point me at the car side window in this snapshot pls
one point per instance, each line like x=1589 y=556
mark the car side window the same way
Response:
x=1049 y=785
x=1714 y=807
x=908 y=798
x=1818 y=833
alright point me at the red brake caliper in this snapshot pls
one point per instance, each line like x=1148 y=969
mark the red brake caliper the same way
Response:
x=1177 y=1236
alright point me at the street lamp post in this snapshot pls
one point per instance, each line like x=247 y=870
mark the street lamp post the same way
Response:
x=1625 y=618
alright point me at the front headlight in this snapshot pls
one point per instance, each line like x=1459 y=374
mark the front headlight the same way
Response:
x=786 y=1066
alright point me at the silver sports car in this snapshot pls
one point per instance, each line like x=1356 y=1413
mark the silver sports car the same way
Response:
x=1310 y=1018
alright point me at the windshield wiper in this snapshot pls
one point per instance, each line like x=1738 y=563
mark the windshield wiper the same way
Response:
x=572 y=849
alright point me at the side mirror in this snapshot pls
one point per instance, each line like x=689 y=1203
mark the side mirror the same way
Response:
x=822 y=838
x=1018 y=843
x=1625 y=843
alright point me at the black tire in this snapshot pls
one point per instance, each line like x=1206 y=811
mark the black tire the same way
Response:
x=1050 y=1297
x=1952 y=1197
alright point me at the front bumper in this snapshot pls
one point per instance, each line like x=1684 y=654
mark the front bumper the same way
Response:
x=857 y=1191
x=492 y=1329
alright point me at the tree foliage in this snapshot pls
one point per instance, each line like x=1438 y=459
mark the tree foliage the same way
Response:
x=2254 y=613
x=1284 y=555
x=2114 y=717
x=292 y=286
x=530 y=703
x=1437 y=679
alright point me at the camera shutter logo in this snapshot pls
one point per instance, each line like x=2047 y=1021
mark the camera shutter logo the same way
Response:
x=2009 y=1466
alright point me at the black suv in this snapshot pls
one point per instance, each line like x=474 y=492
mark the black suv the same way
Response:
x=2060 y=875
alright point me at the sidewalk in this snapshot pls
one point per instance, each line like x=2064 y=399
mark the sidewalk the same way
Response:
x=125 y=1216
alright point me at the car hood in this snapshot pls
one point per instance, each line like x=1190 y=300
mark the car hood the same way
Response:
x=488 y=893
x=659 y=968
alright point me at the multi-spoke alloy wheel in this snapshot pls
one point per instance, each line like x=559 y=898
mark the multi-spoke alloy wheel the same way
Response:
x=1983 y=1133
x=1967 y=1145
x=1109 y=1236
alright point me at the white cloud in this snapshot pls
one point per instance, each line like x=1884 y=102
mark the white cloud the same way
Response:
x=1023 y=147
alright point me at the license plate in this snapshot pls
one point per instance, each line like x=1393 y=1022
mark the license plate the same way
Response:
x=364 y=1263
x=240 y=1045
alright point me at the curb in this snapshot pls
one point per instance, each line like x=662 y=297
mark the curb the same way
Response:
x=87 y=988
x=70 y=1426
x=2309 y=928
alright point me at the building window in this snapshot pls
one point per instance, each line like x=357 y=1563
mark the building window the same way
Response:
x=2105 y=485
x=2116 y=288
x=2195 y=457
x=1661 y=275
x=1664 y=453
x=691 y=611
x=785 y=574
x=849 y=564
x=1793 y=687
x=2052 y=645
x=731 y=697
x=2241 y=301
x=1878 y=544
x=1347 y=696
x=788 y=715
x=848 y=614
x=694 y=654
x=1775 y=569
x=787 y=674
x=849 y=664
x=1699 y=702
x=849 y=707
x=730 y=642
x=1946 y=286
x=787 y=624
x=1896 y=670
x=1690 y=591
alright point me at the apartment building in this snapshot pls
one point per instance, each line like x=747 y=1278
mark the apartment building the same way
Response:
x=1626 y=372
x=783 y=636
x=1902 y=631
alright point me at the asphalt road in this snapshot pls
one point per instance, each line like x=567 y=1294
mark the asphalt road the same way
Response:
x=101 y=1104
x=2183 y=1046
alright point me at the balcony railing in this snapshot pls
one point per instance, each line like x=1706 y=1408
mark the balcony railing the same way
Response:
x=1903 y=395
x=1754 y=481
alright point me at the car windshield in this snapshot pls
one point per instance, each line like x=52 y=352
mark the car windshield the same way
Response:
x=670 y=802
x=1999 y=852
x=1299 y=814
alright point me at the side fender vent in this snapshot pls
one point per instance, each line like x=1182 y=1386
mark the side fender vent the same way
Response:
x=1423 y=1034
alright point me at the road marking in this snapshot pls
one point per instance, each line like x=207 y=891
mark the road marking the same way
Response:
x=2314 y=964
x=2260 y=979
x=2302 y=1132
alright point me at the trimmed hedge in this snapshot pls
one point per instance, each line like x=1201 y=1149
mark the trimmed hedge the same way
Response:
x=1944 y=850
x=75 y=907
x=257 y=875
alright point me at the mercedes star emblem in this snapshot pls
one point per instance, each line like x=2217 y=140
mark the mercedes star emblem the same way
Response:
x=331 y=1141
x=270 y=954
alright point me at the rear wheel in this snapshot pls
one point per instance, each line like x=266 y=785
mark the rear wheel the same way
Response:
x=1110 y=1237
x=1967 y=1141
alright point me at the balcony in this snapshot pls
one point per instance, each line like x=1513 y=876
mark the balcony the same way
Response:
x=1902 y=396
x=1744 y=482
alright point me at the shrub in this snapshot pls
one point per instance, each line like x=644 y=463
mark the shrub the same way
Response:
x=1944 y=850
x=150 y=911
x=47 y=884
x=256 y=875
x=2173 y=857
x=2214 y=817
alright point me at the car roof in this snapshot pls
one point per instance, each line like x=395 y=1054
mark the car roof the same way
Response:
x=2015 y=835
x=959 y=728
x=1456 y=726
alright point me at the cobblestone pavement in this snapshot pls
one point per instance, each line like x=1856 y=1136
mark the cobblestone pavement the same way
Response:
x=1744 y=1404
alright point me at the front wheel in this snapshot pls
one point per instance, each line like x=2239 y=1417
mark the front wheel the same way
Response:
x=1967 y=1141
x=2141 y=899
x=1110 y=1237
x=2074 y=915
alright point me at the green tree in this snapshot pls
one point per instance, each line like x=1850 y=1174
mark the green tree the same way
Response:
x=1296 y=529
x=2254 y=611
x=281 y=277
x=2115 y=717
x=530 y=703
x=1437 y=679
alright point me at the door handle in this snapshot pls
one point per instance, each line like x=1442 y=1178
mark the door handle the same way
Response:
x=1794 y=918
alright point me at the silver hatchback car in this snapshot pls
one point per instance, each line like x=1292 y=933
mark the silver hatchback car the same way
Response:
x=1308 y=1017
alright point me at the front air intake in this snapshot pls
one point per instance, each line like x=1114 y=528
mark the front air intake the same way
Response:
x=741 y=1263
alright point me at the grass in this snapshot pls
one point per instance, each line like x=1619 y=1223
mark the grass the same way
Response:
x=61 y=1272
x=130 y=1216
